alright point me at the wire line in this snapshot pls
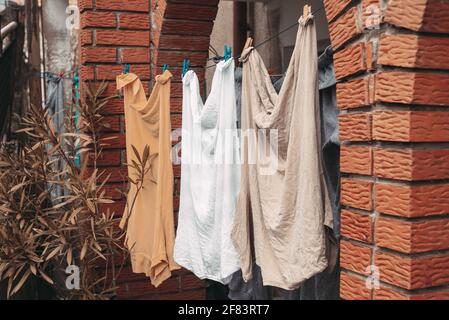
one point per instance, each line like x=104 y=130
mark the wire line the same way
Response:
x=264 y=41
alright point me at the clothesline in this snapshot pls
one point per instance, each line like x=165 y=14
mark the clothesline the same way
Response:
x=218 y=58
x=47 y=74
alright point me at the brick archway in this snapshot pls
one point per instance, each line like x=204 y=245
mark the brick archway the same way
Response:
x=392 y=96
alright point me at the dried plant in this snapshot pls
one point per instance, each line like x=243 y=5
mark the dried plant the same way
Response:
x=52 y=212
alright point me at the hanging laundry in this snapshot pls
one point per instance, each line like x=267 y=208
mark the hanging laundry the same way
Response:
x=288 y=209
x=254 y=288
x=150 y=227
x=55 y=98
x=325 y=285
x=55 y=104
x=330 y=139
x=249 y=290
x=238 y=75
x=210 y=177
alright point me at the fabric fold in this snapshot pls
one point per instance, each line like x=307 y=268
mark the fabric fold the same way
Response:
x=284 y=209
x=210 y=171
x=148 y=216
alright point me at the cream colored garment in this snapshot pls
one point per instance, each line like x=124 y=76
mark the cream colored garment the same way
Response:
x=150 y=231
x=286 y=211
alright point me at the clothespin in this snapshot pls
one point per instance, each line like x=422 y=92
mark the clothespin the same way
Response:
x=248 y=43
x=185 y=67
x=306 y=11
x=76 y=82
x=126 y=68
x=165 y=67
x=227 y=52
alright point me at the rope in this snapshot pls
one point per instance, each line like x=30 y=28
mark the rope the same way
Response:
x=213 y=50
x=48 y=74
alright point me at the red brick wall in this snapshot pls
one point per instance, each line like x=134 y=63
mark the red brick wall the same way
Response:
x=393 y=97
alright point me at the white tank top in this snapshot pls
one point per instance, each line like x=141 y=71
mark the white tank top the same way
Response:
x=210 y=177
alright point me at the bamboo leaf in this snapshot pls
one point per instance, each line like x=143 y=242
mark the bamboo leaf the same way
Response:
x=69 y=256
x=108 y=201
x=45 y=277
x=136 y=153
x=21 y=282
x=17 y=187
x=146 y=153
x=33 y=268
x=84 y=250
x=53 y=253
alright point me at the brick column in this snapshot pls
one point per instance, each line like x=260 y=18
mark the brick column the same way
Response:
x=394 y=125
x=145 y=34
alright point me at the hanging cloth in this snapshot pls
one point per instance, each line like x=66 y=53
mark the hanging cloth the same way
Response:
x=150 y=226
x=287 y=209
x=55 y=99
x=325 y=285
x=55 y=104
x=210 y=177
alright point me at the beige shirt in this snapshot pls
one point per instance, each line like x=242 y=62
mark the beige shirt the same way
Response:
x=150 y=228
x=283 y=203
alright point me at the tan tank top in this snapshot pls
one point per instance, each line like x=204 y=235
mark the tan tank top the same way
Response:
x=150 y=227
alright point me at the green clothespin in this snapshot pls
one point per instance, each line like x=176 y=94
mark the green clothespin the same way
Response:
x=126 y=68
x=227 y=52
x=165 y=67
x=76 y=81
x=185 y=67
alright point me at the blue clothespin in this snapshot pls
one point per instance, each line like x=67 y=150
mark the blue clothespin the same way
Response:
x=227 y=52
x=165 y=67
x=185 y=67
x=126 y=68
x=76 y=82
